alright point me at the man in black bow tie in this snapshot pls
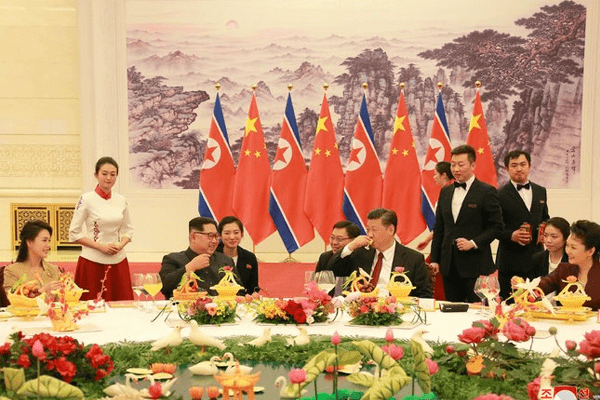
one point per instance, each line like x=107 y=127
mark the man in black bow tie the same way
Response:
x=524 y=208
x=467 y=219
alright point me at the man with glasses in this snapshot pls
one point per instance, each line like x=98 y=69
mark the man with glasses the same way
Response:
x=199 y=258
x=342 y=234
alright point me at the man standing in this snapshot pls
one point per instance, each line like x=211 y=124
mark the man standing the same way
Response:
x=199 y=258
x=468 y=218
x=342 y=234
x=378 y=253
x=524 y=208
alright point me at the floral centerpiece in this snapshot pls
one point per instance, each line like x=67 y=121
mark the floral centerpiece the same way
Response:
x=63 y=311
x=208 y=310
x=400 y=285
x=375 y=311
x=227 y=287
x=62 y=357
x=315 y=307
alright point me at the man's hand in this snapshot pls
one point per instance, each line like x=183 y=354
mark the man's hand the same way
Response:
x=464 y=244
x=435 y=267
x=199 y=262
x=521 y=236
x=359 y=241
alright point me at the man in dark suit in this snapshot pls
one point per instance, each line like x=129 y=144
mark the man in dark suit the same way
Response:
x=378 y=253
x=343 y=233
x=524 y=208
x=467 y=219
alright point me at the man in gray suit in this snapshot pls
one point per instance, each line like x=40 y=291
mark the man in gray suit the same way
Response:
x=199 y=258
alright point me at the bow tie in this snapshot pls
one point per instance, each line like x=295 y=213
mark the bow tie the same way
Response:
x=525 y=186
x=462 y=185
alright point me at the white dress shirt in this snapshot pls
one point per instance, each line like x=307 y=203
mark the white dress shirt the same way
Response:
x=526 y=194
x=386 y=264
x=459 y=196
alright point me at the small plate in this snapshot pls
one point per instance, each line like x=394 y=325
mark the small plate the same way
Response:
x=350 y=369
x=139 y=371
x=161 y=375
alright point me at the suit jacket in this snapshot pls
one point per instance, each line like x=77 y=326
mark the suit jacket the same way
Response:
x=247 y=268
x=324 y=262
x=411 y=260
x=513 y=258
x=541 y=265
x=479 y=219
x=173 y=268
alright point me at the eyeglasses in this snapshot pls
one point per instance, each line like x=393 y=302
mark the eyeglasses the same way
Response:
x=337 y=238
x=209 y=235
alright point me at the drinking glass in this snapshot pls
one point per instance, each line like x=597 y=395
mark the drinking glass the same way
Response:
x=325 y=280
x=152 y=285
x=479 y=289
x=492 y=290
x=309 y=276
x=137 y=284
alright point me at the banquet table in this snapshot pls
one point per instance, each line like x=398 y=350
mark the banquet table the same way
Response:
x=117 y=324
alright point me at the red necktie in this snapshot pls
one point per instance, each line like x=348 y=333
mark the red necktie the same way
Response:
x=377 y=270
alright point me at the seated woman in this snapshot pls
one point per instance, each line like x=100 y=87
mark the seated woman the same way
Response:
x=583 y=249
x=231 y=231
x=35 y=244
x=556 y=233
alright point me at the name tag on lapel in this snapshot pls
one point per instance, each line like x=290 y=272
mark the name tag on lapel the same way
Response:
x=472 y=205
x=542 y=201
x=248 y=266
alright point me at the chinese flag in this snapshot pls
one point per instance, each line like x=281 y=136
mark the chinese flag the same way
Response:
x=251 y=188
x=478 y=139
x=363 y=183
x=439 y=150
x=288 y=186
x=217 y=175
x=402 y=179
x=325 y=182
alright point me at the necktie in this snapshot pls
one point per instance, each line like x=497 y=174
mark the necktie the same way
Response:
x=462 y=185
x=377 y=270
x=525 y=186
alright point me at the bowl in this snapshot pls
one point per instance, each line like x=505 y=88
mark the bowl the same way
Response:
x=400 y=291
x=572 y=302
x=18 y=300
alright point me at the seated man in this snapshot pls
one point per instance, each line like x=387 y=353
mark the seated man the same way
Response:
x=384 y=254
x=343 y=232
x=199 y=258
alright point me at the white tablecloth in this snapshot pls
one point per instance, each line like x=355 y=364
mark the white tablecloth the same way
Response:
x=118 y=324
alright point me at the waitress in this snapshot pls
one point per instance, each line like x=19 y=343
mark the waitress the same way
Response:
x=102 y=225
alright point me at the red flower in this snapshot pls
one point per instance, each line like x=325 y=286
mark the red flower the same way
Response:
x=571 y=345
x=533 y=388
x=364 y=309
x=300 y=316
x=65 y=368
x=490 y=329
x=472 y=335
x=396 y=352
x=590 y=347
x=5 y=349
x=155 y=391
x=450 y=349
x=100 y=373
x=518 y=329
x=432 y=366
x=24 y=361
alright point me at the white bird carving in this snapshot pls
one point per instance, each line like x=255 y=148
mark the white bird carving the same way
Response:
x=262 y=339
x=200 y=339
x=205 y=367
x=171 y=340
x=547 y=370
x=118 y=389
x=299 y=340
x=231 y=365
x=287 y=391
x=165 y=388
x=417 y=337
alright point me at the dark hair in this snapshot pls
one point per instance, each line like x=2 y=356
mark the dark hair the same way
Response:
x=465 y=149
x=443 y=167
x=199 y=222
x=516 y=154
x=106 y=160
x=388 y=217
x=230 y=219
x=29 y=232
x=351 y=228
x=561 y=224
x=589 y=234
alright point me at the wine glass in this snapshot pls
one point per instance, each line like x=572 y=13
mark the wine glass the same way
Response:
x=325 y=280
x=137 y=284
x=152 y=285
x=479 y=289
x=492 y=290
x=309 y=276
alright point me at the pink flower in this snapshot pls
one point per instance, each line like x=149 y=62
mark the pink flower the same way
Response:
x=590 y=347
x=490 y=329
x=227 y=268
x=399 y=269
x=297 y=375
x=336 y=339
x=472 y=335
x=389 y=335
x=518 y=329
x=450 y=349
x=597 y=367
x=38 y=350
x=571 y=345
x=211 y=309
x=432 y=365
x=396 y=352
x=352 y=296
x=533 y=389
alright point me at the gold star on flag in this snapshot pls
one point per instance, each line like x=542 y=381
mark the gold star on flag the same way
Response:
x=257 y=154
x=250 y=126
x=335 y=146
x=413 y=144
x=317 y=151
x=405 y=152
x=321 y=124
x=246 y=152
x=327 y=153
x=394 y=151
x=480 y=150
x=399 y=123
x=474 y=122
